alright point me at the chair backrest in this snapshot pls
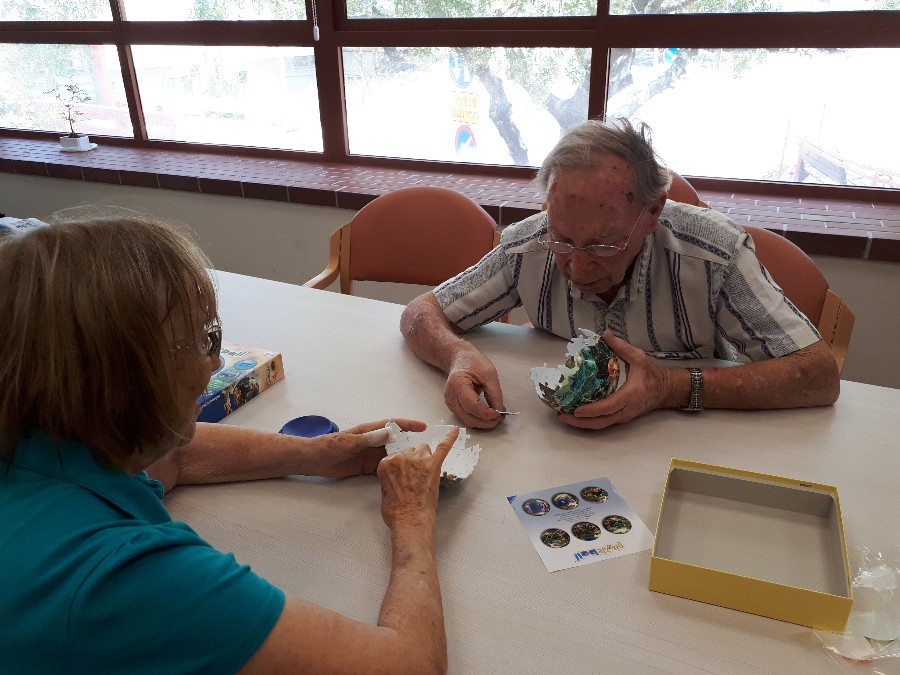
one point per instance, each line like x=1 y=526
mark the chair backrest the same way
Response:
x=684 y=192
x=805 y=285
x=793 y=270
x=418 y=235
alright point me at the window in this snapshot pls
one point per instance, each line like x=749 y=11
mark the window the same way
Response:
x=239 y=96
x=738 y=90
x=452 y=117
x=795 y=115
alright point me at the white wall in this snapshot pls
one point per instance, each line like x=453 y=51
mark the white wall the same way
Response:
x=289 y=242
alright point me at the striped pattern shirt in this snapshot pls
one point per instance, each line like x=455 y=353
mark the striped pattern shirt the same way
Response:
x=697 y=290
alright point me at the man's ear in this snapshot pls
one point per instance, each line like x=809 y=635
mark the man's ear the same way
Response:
x=654 y=208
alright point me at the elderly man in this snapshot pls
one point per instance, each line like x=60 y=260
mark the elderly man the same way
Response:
x=670 y=281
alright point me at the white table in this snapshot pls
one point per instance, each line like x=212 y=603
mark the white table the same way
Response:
x=324 y=540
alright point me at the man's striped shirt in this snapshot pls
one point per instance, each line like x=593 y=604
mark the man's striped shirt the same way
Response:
x=696 y=290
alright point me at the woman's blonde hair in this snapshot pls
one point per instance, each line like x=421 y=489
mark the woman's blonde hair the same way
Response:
x=82 y=315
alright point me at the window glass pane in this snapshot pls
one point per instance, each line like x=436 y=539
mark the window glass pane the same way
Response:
x=478 y=105
x=214 y=10
x=745 y=6
x=34 y=81
x=262 y=97
x=810 y=115
x=55 y=10
x=466 y=9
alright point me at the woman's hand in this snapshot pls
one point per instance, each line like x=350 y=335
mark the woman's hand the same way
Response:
x=350 y=453
x=410 y=481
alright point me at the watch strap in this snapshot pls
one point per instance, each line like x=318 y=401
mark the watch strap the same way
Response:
x=695 y=399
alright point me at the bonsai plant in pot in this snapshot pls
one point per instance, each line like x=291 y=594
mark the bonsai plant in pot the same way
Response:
x=70 y=95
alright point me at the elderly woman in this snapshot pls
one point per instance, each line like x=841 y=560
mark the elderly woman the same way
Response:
x=110 y=332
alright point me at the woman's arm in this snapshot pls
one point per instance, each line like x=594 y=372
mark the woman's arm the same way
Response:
x=222 y=453
x=409 y=637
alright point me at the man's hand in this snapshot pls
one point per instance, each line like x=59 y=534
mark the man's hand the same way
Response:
x=410 y=482
x=805 y=378
x=471 y=375
x=646 y=388
x=350 y=453
x=469 y=372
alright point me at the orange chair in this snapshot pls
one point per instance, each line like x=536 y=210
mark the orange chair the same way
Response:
x=805 y=285
x=802 y=282
x=684 y=192
x=418 y=235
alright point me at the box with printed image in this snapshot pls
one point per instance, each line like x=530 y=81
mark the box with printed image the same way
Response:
x=244 y=374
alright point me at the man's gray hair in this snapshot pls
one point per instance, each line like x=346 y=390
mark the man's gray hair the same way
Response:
x=583 y=146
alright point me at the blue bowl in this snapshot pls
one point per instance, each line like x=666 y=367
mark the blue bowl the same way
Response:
x=309 y=426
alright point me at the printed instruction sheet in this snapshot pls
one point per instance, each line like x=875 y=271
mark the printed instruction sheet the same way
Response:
x=580 y=523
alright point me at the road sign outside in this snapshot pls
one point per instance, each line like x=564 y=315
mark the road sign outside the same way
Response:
x=465 y=107
x=459 y=71
x=465 y=143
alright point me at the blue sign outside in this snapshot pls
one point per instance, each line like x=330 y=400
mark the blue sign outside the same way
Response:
x=669 y=54
x=459 y=71
x=465 y=142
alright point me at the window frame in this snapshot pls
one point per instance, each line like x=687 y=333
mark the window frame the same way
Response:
x=599 y=33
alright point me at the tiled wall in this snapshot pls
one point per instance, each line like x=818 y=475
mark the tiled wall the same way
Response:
x=839 y=228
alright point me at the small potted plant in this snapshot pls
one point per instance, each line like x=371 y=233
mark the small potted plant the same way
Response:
x=70 y=96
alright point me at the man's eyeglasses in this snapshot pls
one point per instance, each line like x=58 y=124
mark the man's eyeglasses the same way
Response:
x=210 y=345
x=599 y=250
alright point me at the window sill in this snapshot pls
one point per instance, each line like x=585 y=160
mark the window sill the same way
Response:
x=833 y=227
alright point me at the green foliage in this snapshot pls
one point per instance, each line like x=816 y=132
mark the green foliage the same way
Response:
x=692 y=6
x=742 y=60
x=60 y=10
x=209 y=10
x=28 y=71
x=282 y=9
x=225 y=10
x=417 y=9
x=70 y=95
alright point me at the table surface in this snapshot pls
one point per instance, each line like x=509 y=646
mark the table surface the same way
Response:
x=324 y=540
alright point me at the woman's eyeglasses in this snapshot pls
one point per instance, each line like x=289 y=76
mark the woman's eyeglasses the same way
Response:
x=599 y=250
x=210 y=345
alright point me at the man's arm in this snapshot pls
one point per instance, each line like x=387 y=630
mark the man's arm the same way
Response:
x=469 y=372
x=221 y=453
x=410 y=636
x=806 y=378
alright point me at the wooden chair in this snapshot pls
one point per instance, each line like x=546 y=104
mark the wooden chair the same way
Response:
x=418 y=235
x=805 y=285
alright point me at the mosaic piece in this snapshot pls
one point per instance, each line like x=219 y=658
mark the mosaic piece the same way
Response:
x=591 y=372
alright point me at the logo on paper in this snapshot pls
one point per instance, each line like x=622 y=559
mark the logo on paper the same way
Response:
x=603 y=550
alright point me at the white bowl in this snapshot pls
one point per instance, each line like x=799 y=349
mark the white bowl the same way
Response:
x=459 y=464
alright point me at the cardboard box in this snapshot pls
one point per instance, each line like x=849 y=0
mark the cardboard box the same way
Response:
x=756 y=543
x=245 y=373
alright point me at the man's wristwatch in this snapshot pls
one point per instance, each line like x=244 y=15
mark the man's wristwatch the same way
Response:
x=695 y=400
